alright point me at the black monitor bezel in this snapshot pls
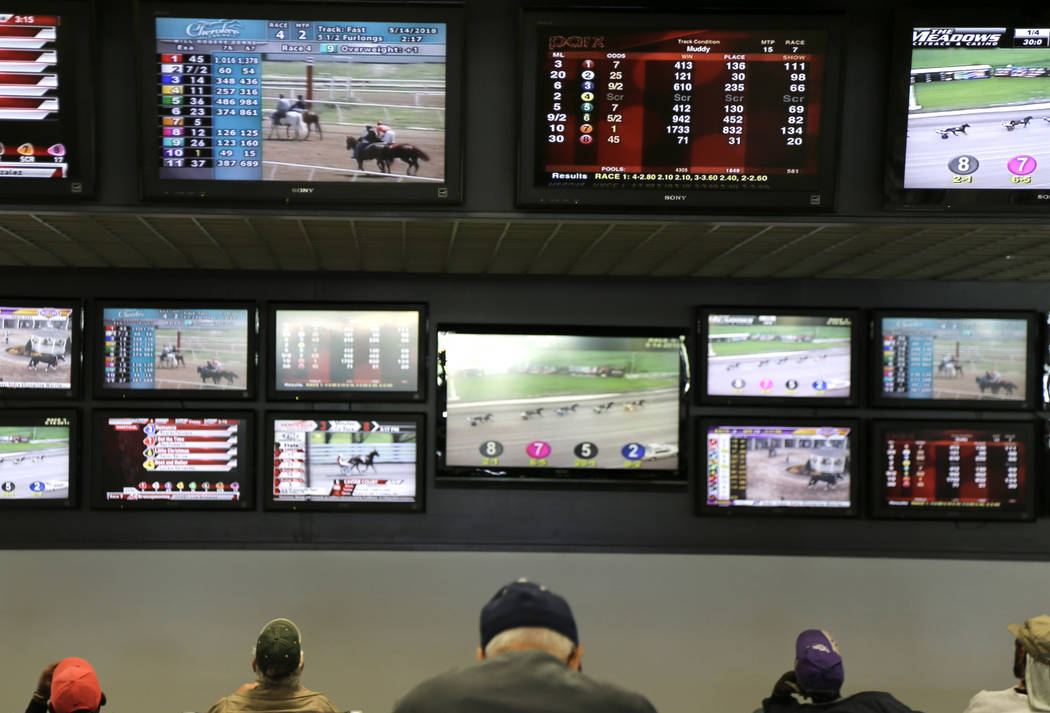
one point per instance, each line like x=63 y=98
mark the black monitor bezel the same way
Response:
x=97 y=332
x=348 y=394
x=98 y=500
x=700 y=322
x=76 y=351
x=335 y=194
x=416 y=506
x=875 y=366
x=878 y=508
x=71 y=500
x=525 y=477
x=742 y=202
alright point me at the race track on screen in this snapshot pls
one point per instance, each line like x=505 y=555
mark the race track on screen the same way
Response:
x=749 y=371
x=49 y=465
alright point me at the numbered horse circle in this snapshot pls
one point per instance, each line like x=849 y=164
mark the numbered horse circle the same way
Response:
x=585 y=450
x=491 y=449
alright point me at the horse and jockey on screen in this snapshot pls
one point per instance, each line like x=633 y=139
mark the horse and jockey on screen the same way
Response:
x=294 y=115
x=378 y=144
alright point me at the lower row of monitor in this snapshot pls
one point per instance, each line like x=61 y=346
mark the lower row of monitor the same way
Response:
x=946 y=469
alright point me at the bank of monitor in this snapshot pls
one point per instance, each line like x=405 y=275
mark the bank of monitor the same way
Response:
x=168 y=458
x=40 y=355
x=343 y=461
x=957 y=470
x=758 y=355
x=624 y=109
x=956 y=359
x=302 y=102
x=546 y=405
x=180 y=349
x=38 y=458
x=340 y=351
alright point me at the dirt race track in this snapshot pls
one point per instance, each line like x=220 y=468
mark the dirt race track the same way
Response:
x=331 y=152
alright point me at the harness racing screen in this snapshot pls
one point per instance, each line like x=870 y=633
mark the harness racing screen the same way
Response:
x=40 y=350
x=36 y=462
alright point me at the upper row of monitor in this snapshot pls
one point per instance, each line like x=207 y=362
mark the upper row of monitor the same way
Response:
x=619 y=108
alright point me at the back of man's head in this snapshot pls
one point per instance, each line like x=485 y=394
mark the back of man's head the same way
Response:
x=818 y=665
x=75 y=687
x=278 y=650
x=527 y=615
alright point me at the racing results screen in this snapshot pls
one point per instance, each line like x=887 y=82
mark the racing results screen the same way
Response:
x=681 y=109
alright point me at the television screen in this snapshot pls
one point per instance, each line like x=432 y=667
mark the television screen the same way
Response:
x=584 y=407
x=36 y=459
x=303 y=102
x=622 y=109
x=778 y=354
x=199 y=460
x=41 y=352
x=962 y=470
x=370 y=351
x=955 y=358
x=46 y=99
x=184 y=348
x=346 y=461
x=789 y=467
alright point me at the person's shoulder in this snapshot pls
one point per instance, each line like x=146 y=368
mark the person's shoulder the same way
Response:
x=613 y=698
x=220 y=705
x=434 y=691
x=873 y=701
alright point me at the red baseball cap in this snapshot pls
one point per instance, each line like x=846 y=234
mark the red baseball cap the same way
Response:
x=74 y=687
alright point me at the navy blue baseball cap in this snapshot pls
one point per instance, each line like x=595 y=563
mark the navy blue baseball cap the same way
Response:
x=525 y=603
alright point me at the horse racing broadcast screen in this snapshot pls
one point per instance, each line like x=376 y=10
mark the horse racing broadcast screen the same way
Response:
x=36 y=465
x=371 y=352
x=583 y=407
x=955 y=358
x=40 y=354
x=956 y=470
x=165 y=460
x=773 y=354
x=320 y=103
x=623 y=109
x=787 y=467
x=150 y=349
x=373 y=461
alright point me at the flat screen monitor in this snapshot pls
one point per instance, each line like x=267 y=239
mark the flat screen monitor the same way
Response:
x=751 y=355
x=787 y=467
x=956 y=470
x=302 y=102
x=46 y=92
x=968 y=110
x=623 y=109
x=344 y=461
x=38 y=462
x=41 y=348
x=184 y=350
x=548 y=405
x=957 y=359
x=335 y=352
x=166 y=458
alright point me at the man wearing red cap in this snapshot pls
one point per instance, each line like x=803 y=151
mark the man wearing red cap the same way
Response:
x=68 y=686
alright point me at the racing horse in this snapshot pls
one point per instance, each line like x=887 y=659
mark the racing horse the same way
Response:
x=371 y=152
x=312 y=119
x=406 y=152
x=953 y=130
x=50 y=361
x=290 y=120
x=170 y=358
x=1014 y=123
x=215 y=375
x=949 y=368
x=361 y=465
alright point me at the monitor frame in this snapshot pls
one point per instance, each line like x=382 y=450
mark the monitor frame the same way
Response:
x=857 y=354
x=348 y=394
x=554 y=477
x=76 y=351
x=72 y=500
x=878 y=508
x=879 y=400
x=417 y=506
x=424 y=194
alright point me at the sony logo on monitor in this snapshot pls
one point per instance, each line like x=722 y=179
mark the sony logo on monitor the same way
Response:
x=557 y=42
x=302 y=189
x=674 y=197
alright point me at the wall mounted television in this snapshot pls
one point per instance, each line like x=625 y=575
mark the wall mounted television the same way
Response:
x=271 y=102
x=38 y=458
x=978 y=470
x=326 y=351
x=969 y=110
x=47 y=100
x=41 y=348
x=778 y=355
x=171 y=458
x=549 y=405
x=954 y=359
x=703 y=112
x=785 y=466
x=346 y=461
x=185 y=350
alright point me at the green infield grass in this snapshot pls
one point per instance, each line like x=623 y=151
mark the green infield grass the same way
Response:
x=749 y=347
x=931 y=58
x=524 y=386
x=39 y=432
x=975 y=93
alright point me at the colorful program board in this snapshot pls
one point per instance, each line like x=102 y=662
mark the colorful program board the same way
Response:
x=39 y=353
x=977 y=470
x=343 y=462
x=780 y=467
x=36 y=465
x=679 y=115
x=170 y=460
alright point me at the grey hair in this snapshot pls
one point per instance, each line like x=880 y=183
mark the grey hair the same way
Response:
x=531 y=637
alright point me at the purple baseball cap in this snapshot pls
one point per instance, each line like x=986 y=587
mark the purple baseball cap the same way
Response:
x=818 y=666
